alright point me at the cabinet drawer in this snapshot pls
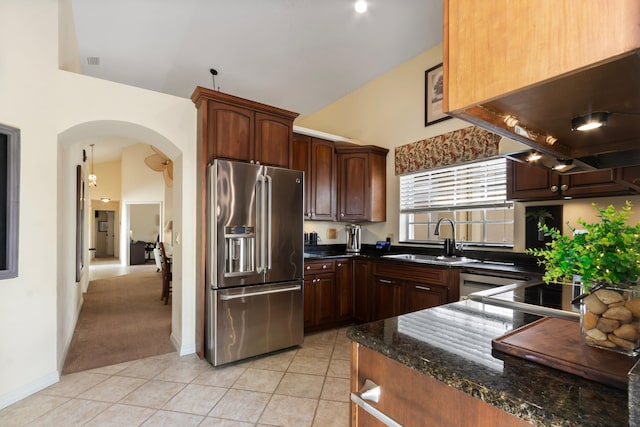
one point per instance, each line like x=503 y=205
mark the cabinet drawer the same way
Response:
x=414 y=399
x=324 y=266
x=434 y=275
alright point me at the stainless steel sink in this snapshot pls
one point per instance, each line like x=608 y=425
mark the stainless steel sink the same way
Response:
x=432 y=259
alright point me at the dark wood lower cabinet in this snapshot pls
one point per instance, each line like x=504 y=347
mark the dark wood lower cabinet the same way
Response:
x=319 y=297
x=387 y=297
x=345 y=290
x=362 y=290
x=400 y=288
x=420 y=296
x=328 y=294
x=414 y=399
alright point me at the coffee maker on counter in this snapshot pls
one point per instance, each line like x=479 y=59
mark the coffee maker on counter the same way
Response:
x=354 y=232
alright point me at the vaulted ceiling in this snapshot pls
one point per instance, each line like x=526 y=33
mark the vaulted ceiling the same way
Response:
x=300 y=55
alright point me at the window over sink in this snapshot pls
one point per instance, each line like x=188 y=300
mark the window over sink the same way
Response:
x=474 y=195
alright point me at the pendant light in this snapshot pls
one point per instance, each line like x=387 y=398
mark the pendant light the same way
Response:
x=93 y=180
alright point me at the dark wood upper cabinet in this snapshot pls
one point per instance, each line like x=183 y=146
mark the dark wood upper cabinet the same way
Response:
x=362 y=192
x=273 y=139
x=316 y=157
x=235 y=128
x=527 y=182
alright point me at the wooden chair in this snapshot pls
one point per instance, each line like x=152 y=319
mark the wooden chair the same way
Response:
x=166 y=274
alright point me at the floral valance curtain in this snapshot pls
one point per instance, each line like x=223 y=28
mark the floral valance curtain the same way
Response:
x=459 y=146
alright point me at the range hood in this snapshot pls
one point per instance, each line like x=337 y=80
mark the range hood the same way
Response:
x=540 y=115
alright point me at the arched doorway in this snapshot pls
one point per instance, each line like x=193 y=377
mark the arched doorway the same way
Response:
x=71 y=143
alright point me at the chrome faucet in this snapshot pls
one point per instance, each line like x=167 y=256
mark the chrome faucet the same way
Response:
x=449 y=244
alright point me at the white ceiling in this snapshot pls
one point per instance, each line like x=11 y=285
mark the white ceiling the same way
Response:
x=300 y=55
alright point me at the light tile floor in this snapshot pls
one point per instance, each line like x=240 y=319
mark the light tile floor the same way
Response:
x=307 y=386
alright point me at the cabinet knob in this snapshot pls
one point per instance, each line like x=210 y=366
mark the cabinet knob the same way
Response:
x=308 y=267
x=324 y=266
x=341 y=213
x=554 y=189
x=339 y=265
x=564 y=187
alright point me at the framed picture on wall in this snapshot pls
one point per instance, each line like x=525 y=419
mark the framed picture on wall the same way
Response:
x=9 y=200
x=433 y=95
x=103 y=226
x=79 y=222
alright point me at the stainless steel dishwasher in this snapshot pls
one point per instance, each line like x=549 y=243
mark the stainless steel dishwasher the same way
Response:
x=474 y=280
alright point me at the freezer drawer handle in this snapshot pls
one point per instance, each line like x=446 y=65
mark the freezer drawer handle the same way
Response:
x=371 y=391
x=253 y=294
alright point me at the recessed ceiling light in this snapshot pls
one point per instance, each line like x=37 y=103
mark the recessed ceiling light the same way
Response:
x=105 y=199
x=360 y=6
x=589 y=121
x=534 y=156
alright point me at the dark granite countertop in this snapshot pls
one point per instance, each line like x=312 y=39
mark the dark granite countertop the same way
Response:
x=496 y=262
x=452 y=343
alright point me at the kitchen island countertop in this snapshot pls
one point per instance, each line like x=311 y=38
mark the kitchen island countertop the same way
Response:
x=452 y=343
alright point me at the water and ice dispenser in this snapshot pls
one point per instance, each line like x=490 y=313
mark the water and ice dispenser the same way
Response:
x=239 y=250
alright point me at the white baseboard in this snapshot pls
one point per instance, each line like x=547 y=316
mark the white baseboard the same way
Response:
x=183 y=350
x=29 y=389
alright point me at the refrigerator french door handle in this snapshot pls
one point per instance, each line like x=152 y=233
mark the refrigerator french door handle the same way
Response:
x=269 y=219
x=261 y=208
x=253 y=294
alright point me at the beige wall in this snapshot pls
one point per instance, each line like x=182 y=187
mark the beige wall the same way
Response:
x=28 y=42
x=388 y=112
x=55 y=110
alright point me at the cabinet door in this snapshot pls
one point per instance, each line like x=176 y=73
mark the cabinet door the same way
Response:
x=272 y=140
x=323 y=176
x=362 y=290
x=630 y=176
x=231 y=132
x=309 y=301
x=301 y=160
x=596 y=183
x=387 y=297
x=325 y=298
x=354 y=205
x=420 y=296
x=344 y=289
x=526 y=182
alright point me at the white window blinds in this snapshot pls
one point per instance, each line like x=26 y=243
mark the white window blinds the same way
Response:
x=473 y=185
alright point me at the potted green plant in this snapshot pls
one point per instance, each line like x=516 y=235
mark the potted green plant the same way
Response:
x=606 y=258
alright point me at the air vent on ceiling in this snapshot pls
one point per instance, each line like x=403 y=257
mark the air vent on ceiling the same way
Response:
x=93 y=60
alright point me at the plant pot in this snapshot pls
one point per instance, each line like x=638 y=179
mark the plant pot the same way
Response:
x=610 y=319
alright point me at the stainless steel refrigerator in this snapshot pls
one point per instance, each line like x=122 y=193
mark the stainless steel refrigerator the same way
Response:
x=254 y=265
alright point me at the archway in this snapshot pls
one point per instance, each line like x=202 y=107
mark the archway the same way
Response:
x=71 y=144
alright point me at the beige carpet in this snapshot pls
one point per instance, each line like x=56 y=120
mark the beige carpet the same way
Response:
x=122 y=319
